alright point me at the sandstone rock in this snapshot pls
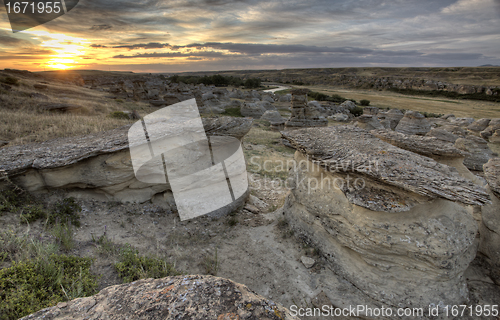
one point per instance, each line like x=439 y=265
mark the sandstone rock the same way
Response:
x=461 y=122
x=427 y=146
x=448 y=116
x=183 y=297
x=158 y=103
x=368 y=122
x=394 y=116
x=274 y=117
x=413 y=122
x=370 y=111
x=253 y=200
x=97 y=165
x=442 y=135
x=478 y=149
x=307 y=262
x=302 y=114
x=348 y=105
x=285 y=98
x=340 y=117
x=172 y=99
x=479 y=125
x=253 y=110
x=405 y=259
x=251 y=208
x=3 y=143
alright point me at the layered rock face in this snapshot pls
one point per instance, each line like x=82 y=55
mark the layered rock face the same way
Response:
x=388 y=220
x=96 y=166
x=302 y=114
x=182 y=298
x=479 y=152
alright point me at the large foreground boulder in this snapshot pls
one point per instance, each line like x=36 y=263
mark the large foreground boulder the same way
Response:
x=388 y=220
x=181 y=298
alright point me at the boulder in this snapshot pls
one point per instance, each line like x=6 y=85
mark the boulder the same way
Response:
x=461 y=122
x=285 y=98
x=479 y=125
x=253 y=110
x=479 y=152
x=413 y=122
x=340 y=117
x=192 y=297
x=394 y=116
x=370 y=111
x=368 y=122
x=274 y=117
x=492 y=175
x=348 y=105
x=388 y=220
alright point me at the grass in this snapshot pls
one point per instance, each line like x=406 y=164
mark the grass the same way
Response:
x=211 y=263
x=31 y=285
x=23 y=122
x=233 y=112
x=133 y=266
x=63 y=232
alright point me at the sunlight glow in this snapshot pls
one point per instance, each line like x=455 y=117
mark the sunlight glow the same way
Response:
x=68 y=50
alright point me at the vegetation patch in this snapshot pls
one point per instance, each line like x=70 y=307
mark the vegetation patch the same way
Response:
x=31 y=285
x=450 y=94
x=364 y=103
x=133 y=267
x=119 y=115
x=66 y=211
x=233 y=112
x=10 y=81
x=217 y=80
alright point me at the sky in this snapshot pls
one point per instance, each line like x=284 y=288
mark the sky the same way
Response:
x=210 y=35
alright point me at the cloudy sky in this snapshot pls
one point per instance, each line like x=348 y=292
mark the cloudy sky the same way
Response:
x=203 y=35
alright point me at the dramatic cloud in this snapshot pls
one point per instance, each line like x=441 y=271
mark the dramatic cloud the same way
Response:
x=190 y=35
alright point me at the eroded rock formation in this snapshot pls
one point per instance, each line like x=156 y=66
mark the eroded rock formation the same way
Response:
x=388 y=220
x=95 y=166
x=181 y=298
x=302 y=114
x=413 y=122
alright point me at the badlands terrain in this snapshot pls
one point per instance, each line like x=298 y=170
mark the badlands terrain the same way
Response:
x=418 y=227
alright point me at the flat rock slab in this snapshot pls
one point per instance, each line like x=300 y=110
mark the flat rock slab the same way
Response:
x=424 y=145
x=369 y=156
x=66 y=151
x=183 y=297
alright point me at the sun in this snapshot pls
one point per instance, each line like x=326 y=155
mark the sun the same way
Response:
x=67 y=50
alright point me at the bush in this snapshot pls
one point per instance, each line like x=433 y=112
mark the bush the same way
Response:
x=364 y=103
x=31 y=285
x=252 y=83
x=119 y=115
x=134 y=267
x=357 y=111
x=66 y=211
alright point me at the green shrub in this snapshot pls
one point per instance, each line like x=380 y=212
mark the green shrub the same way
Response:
x=364 y=103
x=133 y=267
x=31 y=285
x=11 y=81
x=63 y=232
x=119 y=115
x=32 y=212
x=432 y=115
x=357 y=111
x=66 y=211
x=233 y=112
x=252 y=83
x=19 y=201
